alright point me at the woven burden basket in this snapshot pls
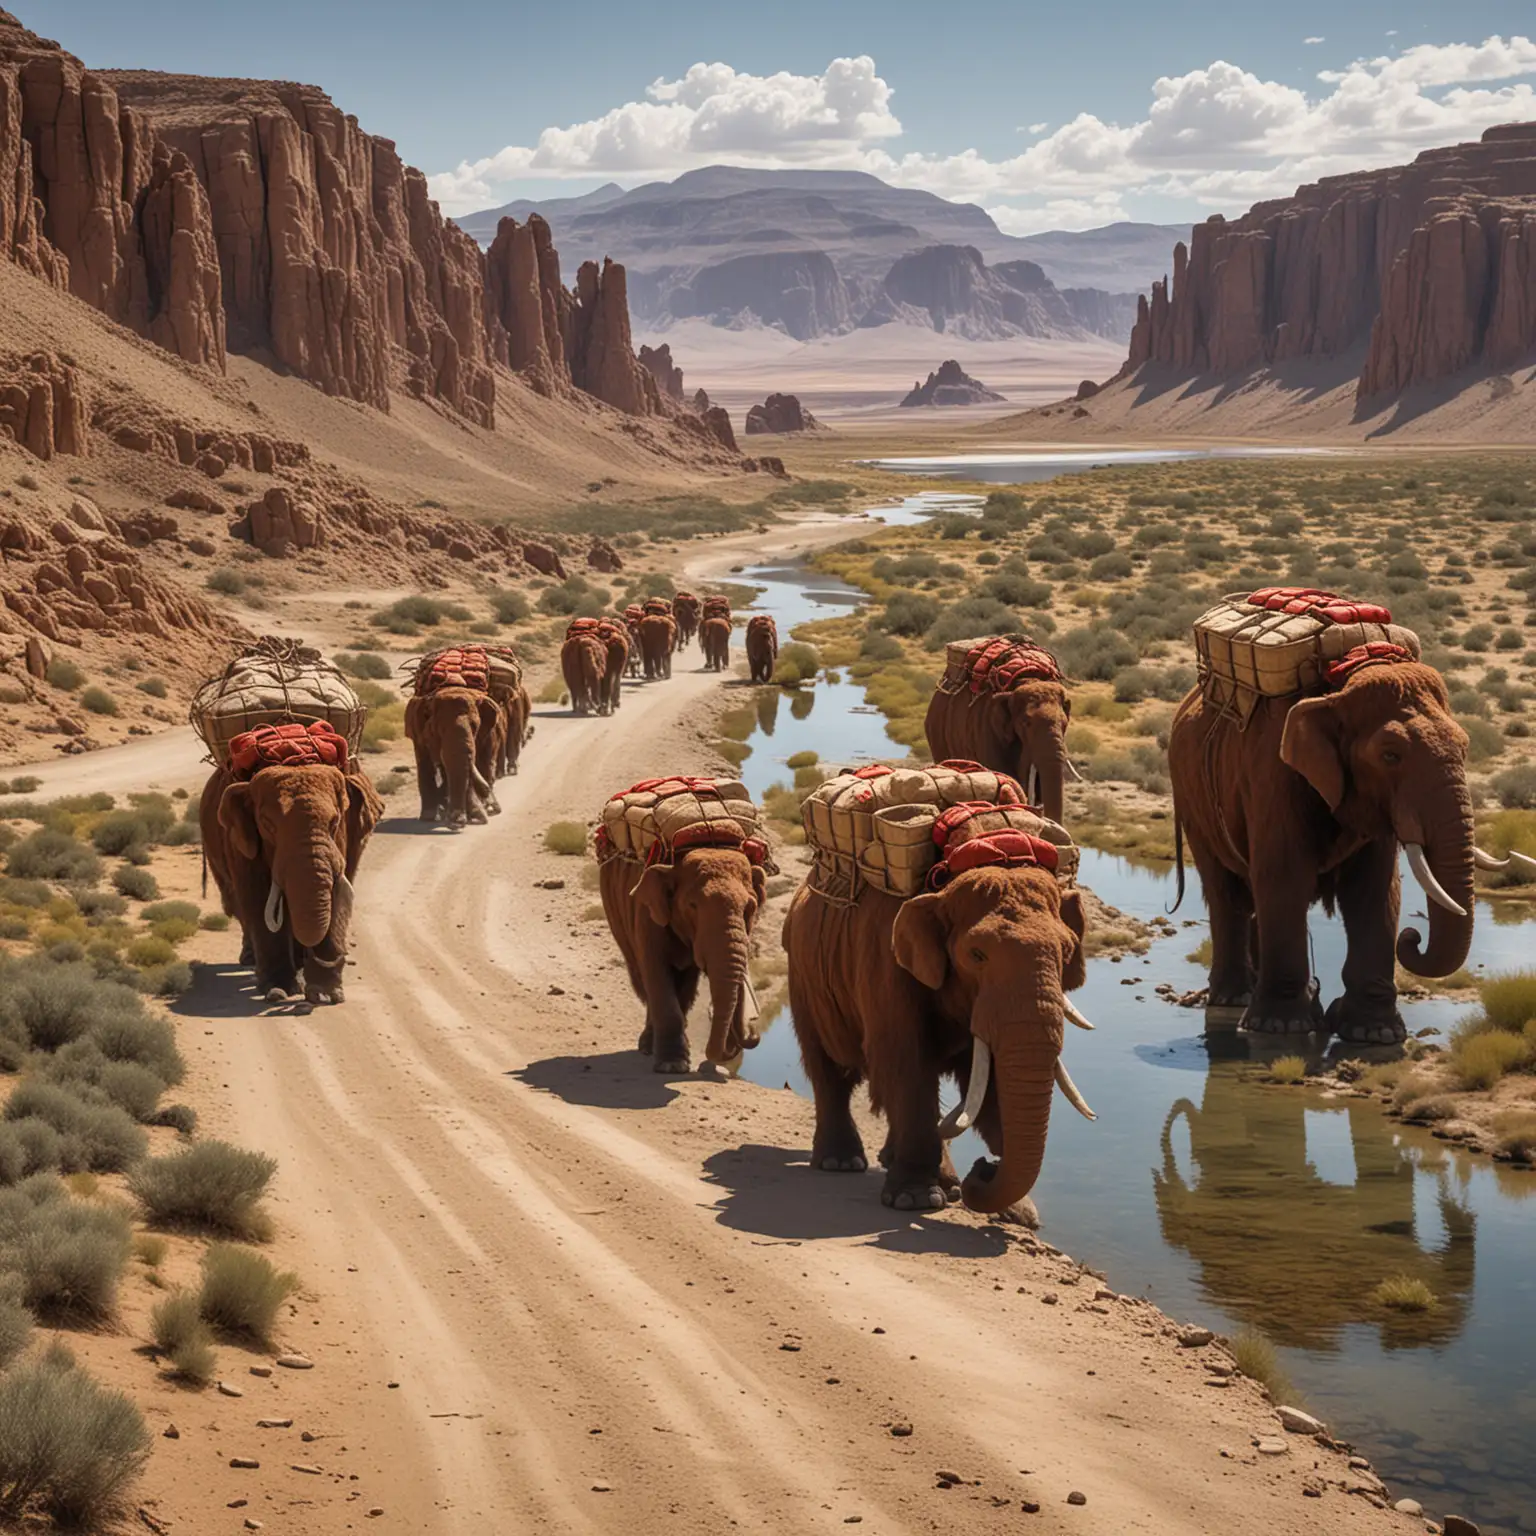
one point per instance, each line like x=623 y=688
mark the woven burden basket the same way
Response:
x=957 y=655
x=275 y=682
x=1247 y=652
x=879 y=831
x=641 y=818
x=506 y=671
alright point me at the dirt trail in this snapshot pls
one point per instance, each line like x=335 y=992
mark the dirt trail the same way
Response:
x=558 y=1293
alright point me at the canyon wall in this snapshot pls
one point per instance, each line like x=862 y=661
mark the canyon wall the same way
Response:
x=1427 y=269
x=256 y=215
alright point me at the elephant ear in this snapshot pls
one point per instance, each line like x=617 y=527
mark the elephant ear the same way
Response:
x=490 y=713
x=759 y=885
x=364 y=808
x=412 y=717
x=654 y=893
x=1310 y=745
x=1074 y=972
x=920 y=940
x=237 y=815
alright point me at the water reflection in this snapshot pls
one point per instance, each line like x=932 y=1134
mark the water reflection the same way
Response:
x=1045 y=464
x=1295 y=1213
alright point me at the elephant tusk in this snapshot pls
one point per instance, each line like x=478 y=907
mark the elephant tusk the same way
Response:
x=1426 y=878
x=752 y=1001
x=1073 y=1016
x=1071 y=768
x=274 y=912
x=1034 y=785
x=1521 y=861
x=1074 y=1098
x=963 y=1116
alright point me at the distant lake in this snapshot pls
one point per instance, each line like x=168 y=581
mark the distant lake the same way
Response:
x=1019 y=468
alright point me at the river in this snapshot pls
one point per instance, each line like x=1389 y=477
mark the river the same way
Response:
x=1232 y=1203
x=1029 y=465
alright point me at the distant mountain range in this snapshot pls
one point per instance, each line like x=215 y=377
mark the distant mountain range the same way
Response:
x=817 y=253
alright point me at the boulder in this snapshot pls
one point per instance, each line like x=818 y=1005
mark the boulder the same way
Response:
x=544 y=560
x=280 y=523
x=951 y=385
x=602 y=556
x=780 y=413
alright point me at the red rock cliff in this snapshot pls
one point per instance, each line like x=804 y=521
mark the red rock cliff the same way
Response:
x=1428 y=267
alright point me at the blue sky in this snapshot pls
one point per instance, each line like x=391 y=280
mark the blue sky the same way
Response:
x=1049 y=115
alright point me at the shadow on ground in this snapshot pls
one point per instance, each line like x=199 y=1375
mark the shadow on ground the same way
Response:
x=617 y=1080
x=228 y=991
x=771 y=1191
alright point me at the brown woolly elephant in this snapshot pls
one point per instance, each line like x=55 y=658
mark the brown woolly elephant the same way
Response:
x=673 y=922
x=517 y=711
x=584 y=666
x=970 y=981
x=715 y=641
x=632 y=617
x=1310 y=802
x=685 y=609
x=657 y=632
x=284 y=847
x=762 y=647
x=460 y=736
x=1022 y=732
x=616 y=640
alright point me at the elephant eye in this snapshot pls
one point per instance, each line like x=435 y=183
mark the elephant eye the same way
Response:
x=979 y=956
x=1391 y=757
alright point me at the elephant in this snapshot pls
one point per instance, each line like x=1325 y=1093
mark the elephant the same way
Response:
x=1021 y=732
x=675 y=921
x=1310 y=802
x=632 y=616
x=1303 y=1266
x=460 y=736
x=657 y=632
x=615 y=637
x=685 y=609
x=584 y=666
x=902 y=993
x=283 y=847
x=715 y=640
x=517 y=711
x=762 y=647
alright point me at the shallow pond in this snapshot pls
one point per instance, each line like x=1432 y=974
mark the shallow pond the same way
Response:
x=1044 y=463
x=1236 y=1204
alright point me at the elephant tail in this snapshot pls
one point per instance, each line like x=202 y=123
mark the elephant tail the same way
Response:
x=205 y=874
x=1178 y=863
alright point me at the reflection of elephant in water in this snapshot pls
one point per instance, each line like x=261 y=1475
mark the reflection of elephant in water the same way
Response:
x=283 y=847
x=1309 y=803
x=1285 y=1250
x=460 y=737
x=902 y=993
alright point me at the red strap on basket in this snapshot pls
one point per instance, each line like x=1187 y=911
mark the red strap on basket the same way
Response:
x=1325 y=605
x=287 y=746
x=582 y=627
x=1002 y=664
x=683 y=597
x=1006 y=846
x=673 y=784
x=1337 y=673
x=657 y=605
x=762 y=621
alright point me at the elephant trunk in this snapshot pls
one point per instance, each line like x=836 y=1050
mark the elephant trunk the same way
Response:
x=1448 y=859
x=1024 y=1075
x=727 y=971
x=309 y=888
x=1049 y=760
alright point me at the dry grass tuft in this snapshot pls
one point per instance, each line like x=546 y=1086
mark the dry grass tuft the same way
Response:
x=1404 y=1293
x=242 y=1291
x=181 y=1335
x=566 y=837
x=1288 y=1069
x=1256 y=1358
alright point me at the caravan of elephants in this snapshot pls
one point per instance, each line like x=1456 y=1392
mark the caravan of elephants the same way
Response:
x=939 y=931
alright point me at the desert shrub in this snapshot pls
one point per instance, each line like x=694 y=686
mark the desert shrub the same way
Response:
x=969 y=617
x=95 y=906
x=168 y=980
x=140 y=884
x=98 y=701
x=242 y=1291
x=797 y=663
x=13 y=1155
x=1484 y=739
x=422 y=610
x=1288 y=1069
x=182 y=911
x=217 y=922
x=566 y=837
x=1017 y=590
x=124 y=1031
x=69 y=1448
x=151 y=950
x=119 y=831
x=1404 y=1293
x=907 y=613
x=180 y=1334
x=134 y=1088
x=1509 y=999
x=575 y=595
x=63 y=673
x=181 y=1118
x=366 y=664
x=508 y=606
x=48 y=854
x=1516 y=1131
x=1255 y=1357
x=800 y=760
x=1481 y=1059
x=878 y=647
x=734 y=752
x=15 y=1320
x=1095 y=652
x=226 y=582
x=1515 y=787
x=67 y=1256
x=155 y=687
x=210 y=1185
x=106 y=1136
x=1114 y=566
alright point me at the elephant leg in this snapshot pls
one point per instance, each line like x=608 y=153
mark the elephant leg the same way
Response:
x=668 y=996
x=426 y=784
x=1369 y=899
x=1285 y=994
x=838 y=1147
x=274 y=962
x=1230 y=904
x=915 y=1157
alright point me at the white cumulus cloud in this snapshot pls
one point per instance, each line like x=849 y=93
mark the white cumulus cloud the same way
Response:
x=1217 y=137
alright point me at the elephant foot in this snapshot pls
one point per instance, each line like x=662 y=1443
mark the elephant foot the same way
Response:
x=1366 y=1021
x=671 y=1065
x=905 y=1193
x=315 y=994
x=839 y=1150
x=247 y=951
x=277 y=994
x=1285 y=1015
x=644 y=1043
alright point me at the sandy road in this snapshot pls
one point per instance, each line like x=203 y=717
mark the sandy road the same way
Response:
x=552 y=1292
